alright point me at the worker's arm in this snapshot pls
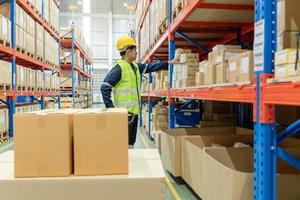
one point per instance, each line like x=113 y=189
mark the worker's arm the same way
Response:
x=153 y=66
x=110 y=81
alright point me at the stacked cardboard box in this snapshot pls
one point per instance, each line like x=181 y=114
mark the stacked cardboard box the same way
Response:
x=4 y=122
x=187 y=70
x=285 y=63
x=51 y=50
x=39 y=41
x=161 y=80
x=217 y=114
x=288 y=24
x=5 y=28
x=160 y=117
x=5 y=75
x=66 y=79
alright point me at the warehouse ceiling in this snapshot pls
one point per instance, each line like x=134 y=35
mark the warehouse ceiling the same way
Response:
x=98 y=6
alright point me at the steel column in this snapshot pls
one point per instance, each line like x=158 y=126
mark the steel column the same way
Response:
x=150 y=103
x=265 y=131
x=73 y=66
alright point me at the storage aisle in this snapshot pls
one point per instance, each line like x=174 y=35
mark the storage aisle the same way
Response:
x=176 y=189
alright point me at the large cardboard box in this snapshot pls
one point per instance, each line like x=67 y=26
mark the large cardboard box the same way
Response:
x=145 y=180
x=228 y=175
x=193 y=155
x=233 y=69
x=209 y=74
x=101 y=147
x=171 y=143
x=43 y=143
x=5 y=75
x=286 y=39
x=281 y=71
x=246 y=66
x=224 y=55
x=189 y=57
x=288 y=18
x=222 y=73
x=199 y=80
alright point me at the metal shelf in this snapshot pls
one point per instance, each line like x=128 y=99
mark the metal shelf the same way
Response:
x=263 y=93
x=37 y=18
x=67 y=43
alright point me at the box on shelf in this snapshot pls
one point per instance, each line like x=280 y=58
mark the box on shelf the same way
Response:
x=281 y=71
x=66 y=81
x=3 y=120
x=189 y=57
x=223 y=47
x=222 y=73
x=199 y=79
x=20 y=76
x=246 y=66
x=233 y=69
x=5 y=75
x=96 y=135
x=209 y=74
x=30 y=44
x=53 y=156
x=5 y=29
x=30 y=25
x=222 y=56
x=171 y=144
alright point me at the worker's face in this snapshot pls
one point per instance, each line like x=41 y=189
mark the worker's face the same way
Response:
x=132 y=53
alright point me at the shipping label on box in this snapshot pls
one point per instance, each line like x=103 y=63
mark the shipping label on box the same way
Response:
x=282 y=57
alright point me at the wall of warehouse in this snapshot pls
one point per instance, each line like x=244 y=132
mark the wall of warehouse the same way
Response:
x=102 y=23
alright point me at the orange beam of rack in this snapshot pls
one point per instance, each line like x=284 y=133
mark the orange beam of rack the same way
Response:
x=67 y=43
x=27 y=61
x=11 y=93
x=36 y=17
x=243 y=93
x=287 y=93
x=145 y=11
x=6 y=50
x=80 y=71
x=161 y=93
x=226 y=6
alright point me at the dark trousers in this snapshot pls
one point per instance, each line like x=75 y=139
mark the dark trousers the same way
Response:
x=132 y=128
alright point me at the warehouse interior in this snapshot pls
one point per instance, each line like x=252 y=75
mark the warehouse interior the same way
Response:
x=149 y=99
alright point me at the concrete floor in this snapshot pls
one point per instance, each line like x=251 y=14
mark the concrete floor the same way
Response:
x=176 y=188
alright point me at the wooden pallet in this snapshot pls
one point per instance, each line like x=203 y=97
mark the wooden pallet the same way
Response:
x=30 y=54
x=30 y=88
x=4 y=42
x=39 y=58
x=4 y=136
x=30 y=4
x=38 y=89
x=20 y=49
x=21 y=88
x=178 y=8
x=5 y=87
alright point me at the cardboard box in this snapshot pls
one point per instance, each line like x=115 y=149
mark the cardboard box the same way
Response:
x=209 y=74
x=292 y=70
x=5 y=29
x=224 y=55
x=199 y=80
x=157 y=139
x=3 y=120
x=30 y=44
x=193 y=156
x=286 y=39
x=146 y=180
x=189 y=57
x=96 y=135
x=288 y=18
x=281 y=71
x=47 y=137
x=246 y=66
x=282 y=57
x=30 y=26
x=222 y=47
x=5 y=75
x=233 y=69
x=188 y=82
x=206 y=116
x=222 y=73
x=231 y=171
x=171 y=143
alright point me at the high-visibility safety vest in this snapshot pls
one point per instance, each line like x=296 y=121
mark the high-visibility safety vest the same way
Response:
x=127 y=91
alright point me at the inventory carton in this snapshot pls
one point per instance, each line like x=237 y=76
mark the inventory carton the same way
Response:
x=145 y=180
x=199 y=78
x=171 y=140
x=189 y=57
x=225 y=54
x=246 y=66
x=193 y=155
x=288 y=18
x=281 y=71
x=222 y=73
x=43 y=143
x=209 y=73
x=101 y=147
x=230 y=170
x=233 y=69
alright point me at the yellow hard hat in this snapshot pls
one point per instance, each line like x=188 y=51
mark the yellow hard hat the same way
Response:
x=124 y=42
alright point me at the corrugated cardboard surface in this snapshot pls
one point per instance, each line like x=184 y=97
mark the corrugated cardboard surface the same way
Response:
x=171 y=141
x=43 y=143
x=228 y=175
x=146 y=180
x=101 y=142
x=193 y=155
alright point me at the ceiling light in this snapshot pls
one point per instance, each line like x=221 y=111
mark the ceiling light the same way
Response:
x=125 y=4
x=79 y=2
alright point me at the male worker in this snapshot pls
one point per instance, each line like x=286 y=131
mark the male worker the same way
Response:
x=125 y=80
